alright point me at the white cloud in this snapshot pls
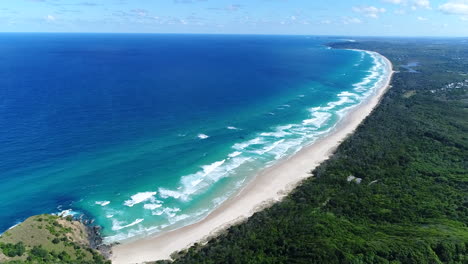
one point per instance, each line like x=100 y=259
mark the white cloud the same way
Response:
x=395 y=2
x=414 y=4
x=369 y=11
x=421 y=4
x=422 y=18
x=50 y=18
x=455 y=8
x=351 y=20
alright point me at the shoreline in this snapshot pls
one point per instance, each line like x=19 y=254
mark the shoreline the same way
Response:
x=267 y=187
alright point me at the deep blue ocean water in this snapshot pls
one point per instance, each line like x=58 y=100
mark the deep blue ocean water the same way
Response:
x=145 y=133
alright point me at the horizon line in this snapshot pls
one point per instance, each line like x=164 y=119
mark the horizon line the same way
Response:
x=233 y=34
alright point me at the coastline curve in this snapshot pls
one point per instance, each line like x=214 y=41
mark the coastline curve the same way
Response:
x=268 y=186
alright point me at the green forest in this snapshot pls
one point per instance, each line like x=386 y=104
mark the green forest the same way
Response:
x=412 y=156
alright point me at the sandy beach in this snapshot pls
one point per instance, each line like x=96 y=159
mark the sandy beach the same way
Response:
x=268 y=186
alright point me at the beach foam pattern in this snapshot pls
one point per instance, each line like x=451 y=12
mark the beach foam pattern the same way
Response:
x=256 y=152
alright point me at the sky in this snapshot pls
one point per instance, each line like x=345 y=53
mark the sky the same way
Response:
x=298 y=17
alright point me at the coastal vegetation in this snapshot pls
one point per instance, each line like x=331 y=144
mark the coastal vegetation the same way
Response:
x=48 y=239
x=410 y=204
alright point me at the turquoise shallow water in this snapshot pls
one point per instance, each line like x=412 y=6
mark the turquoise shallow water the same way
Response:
x=145 y=133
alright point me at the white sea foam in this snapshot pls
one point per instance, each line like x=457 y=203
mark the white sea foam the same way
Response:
x=209 y=174
x=235 y=154
x=376 y=77
x=179 y=218
x=278 y=134
x=362 y=56
x=207 y=169
x=102 y=203
x=243 y=145
x=68 y=212
x=232 y=128
x=203 y=136
x=282 y=149
x=165 y=193
x=139 y=198
x=348 y=94
x=342 y=100
x=13 y=226
x=117 y=225
x=284 y=127
x=197 y=181
x=130 y=233
x=151 y=206
x=268 y=148
x=318 y=119
x=169 y=212
x=225 y=170
x=219 y=200
x=193 y=182
x=342 y=112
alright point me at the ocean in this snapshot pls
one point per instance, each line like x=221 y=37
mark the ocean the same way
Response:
x=144 y=133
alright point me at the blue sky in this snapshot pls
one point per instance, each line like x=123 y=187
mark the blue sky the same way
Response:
x=316 y=17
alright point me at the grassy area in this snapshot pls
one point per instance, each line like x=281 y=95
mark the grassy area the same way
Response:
x=48 y=239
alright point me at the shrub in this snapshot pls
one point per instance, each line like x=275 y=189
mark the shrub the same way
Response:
x=13 y=250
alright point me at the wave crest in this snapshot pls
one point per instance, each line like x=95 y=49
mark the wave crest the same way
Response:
x=139 y=198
